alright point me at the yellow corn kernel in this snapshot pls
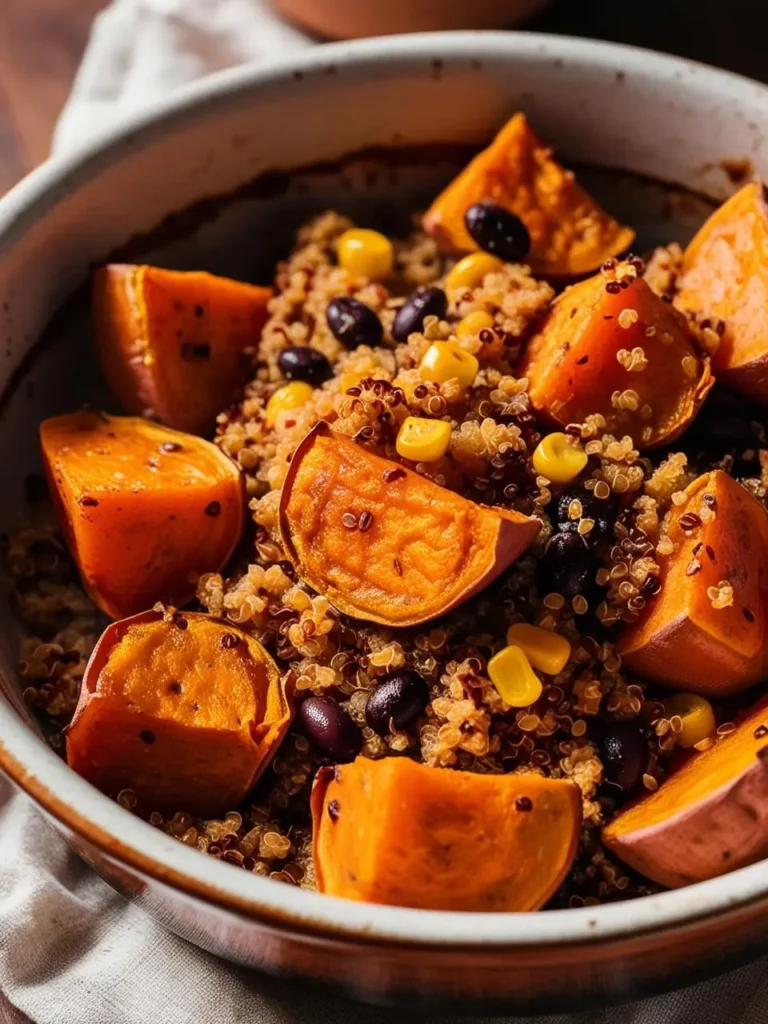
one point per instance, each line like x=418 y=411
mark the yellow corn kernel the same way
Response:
x=445 y=360
x=473 y=323
x=512 y=675
x=547 y=651
x=697 y=715
x=470 y=271
x=291 y=396
x=423 y=440
x=559 y=459
x=365 y=253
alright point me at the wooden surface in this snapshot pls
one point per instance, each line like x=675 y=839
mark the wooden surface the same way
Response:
x=42 y=41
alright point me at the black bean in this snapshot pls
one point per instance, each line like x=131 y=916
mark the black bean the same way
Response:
x=498 y=231
x=400 y=699
x=304 y=363
x=601 y=511
x=330 y=729
x=624 y=753
x=568 y=566
x=423 y=303
x=353 y=323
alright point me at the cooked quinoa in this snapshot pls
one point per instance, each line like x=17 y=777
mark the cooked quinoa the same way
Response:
x=467 y=724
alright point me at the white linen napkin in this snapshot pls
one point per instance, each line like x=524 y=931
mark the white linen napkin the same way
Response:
x=71 y=950
x=142 y=49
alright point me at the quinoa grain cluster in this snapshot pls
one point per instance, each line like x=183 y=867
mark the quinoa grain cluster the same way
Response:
x=581 y=592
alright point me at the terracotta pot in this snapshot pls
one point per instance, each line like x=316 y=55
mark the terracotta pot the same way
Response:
x=353 y=19
x=598 y=103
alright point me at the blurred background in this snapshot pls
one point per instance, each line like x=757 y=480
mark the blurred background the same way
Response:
x=42 y=43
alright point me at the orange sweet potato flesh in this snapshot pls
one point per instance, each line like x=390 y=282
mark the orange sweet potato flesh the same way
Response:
x=709 y=817
x=143 y=508
x=424 y=551
x=176 y=345
x=725 y=275
x=397 y=832
x=573 y=369
x=682 y=640
x=570 y=233
x=186 y=711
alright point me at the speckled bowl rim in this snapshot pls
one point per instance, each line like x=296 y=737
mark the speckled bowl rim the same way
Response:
x=101 y=822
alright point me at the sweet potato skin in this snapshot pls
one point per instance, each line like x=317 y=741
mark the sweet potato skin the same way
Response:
x=708 y=818
x=682 y=641
x=396 y=832
x=185 y=719
x=570 y=234
x=424 y=551
x=143 y=508
x=725 y=276
x=572 y=361
x=176 y=345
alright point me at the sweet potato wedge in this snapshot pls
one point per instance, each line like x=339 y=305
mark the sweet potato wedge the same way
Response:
x=176 y=346
x=725 y=276
x=144 y=509
x=184 y=710
x=570 y=234
x=383 y=543
x=609 y=345
x=709 y=817
x=689 y=638
x=397 y=832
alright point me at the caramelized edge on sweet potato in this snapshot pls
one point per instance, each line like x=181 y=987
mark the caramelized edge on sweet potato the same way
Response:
x=383 y=543
x=682 y=640
x=578 y=361
x=177 y=345
x=570 y=234
x=142 y=507
x=173 y=717
x=725 y=277
x=396 y=832
x=709 y=817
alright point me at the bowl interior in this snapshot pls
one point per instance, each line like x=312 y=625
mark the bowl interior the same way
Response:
x=243 y=235
x=423 y=104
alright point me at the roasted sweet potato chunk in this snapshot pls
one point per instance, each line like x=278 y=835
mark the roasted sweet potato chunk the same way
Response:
x=725 y=276
x=184 y=710
x=609 y=345
x=706 y=631
x=383 y=543
x=144 y=509
x=570 y=234
x=397 y=832
x=708 y=818
x=175 y=345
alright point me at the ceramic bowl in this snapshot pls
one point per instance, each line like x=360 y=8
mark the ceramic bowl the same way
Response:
x=240 y=133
